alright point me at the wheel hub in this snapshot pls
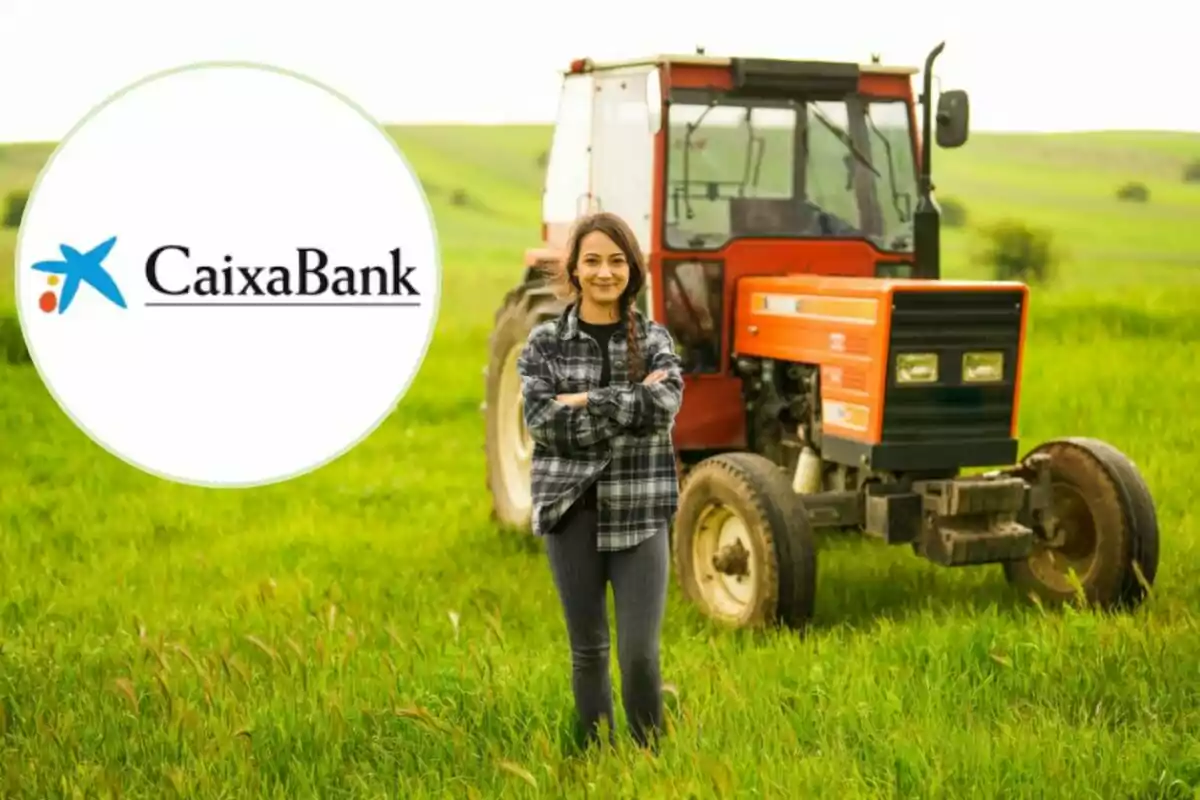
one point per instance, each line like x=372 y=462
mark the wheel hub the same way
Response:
x=732 y=559
x=1070 y=540
x=722 y=560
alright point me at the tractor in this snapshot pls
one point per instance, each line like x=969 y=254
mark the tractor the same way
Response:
x=833 y=379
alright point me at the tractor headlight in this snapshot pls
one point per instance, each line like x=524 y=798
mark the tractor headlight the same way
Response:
x=917 y=368
x=983 y=367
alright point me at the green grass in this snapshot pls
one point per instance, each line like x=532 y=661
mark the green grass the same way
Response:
x=365 y=631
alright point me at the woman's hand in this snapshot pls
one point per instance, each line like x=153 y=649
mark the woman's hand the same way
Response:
x=577 y=400
x=654 y=377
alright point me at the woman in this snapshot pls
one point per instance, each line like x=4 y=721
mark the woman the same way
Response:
x=602 y=385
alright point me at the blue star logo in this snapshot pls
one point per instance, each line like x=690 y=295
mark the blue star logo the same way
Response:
x=78 y=268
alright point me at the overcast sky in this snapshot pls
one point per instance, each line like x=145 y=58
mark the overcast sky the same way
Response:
x=1030 y=65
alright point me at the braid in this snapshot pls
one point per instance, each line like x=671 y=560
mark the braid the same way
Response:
x=633 y=346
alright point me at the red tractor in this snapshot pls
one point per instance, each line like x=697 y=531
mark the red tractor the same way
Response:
x=833 y=379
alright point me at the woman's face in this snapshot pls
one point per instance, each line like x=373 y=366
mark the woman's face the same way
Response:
x=603 y=270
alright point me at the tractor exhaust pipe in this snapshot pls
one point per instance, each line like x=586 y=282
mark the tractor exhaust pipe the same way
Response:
x=926 y=219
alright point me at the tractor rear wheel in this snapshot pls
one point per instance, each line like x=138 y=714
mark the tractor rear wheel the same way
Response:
x=1102 y=524
x=508 y=446
x=743 y=550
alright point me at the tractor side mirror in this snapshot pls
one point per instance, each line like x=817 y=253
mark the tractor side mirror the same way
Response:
x=953 y=118
x=654 y=100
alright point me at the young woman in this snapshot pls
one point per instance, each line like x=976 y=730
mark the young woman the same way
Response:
x=602 y=385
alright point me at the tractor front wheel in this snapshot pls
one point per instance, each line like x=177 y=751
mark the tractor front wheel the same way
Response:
x=1101 y=525
x=508 y=446
x=743 y=550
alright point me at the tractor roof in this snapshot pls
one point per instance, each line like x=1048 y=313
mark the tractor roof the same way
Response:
x=695 y=60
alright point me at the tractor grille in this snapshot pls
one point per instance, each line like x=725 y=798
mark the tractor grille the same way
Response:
x=950 y=324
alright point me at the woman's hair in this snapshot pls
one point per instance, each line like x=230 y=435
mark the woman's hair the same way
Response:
x=563 y=275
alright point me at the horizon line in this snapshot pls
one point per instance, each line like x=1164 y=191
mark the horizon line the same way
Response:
x=550 y=124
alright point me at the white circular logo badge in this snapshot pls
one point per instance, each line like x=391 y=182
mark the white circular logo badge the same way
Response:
x=227 y=275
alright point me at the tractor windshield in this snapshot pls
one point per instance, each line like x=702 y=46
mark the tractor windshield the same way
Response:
x=789 y=168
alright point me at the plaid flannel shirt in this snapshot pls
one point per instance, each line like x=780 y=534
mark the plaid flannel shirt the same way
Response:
x=624 y=426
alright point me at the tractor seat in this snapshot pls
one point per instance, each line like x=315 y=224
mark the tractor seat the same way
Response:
x=769 y=216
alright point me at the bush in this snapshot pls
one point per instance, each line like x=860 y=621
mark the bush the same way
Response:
x=461 y=198
x=1133 y=192
x=1191 y=173
x=954 y=213
x=1013 y=250
x=14 y=208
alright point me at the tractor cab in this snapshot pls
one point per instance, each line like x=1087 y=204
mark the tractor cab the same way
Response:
x=701 y=151
x=810 y=165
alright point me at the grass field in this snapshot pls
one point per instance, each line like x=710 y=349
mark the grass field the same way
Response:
x=366 y=632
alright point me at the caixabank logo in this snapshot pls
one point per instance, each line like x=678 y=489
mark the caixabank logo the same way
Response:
x=310 y=280
x=228 y=305
x=74 y=270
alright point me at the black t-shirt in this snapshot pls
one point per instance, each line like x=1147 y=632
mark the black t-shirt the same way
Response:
x=602 y=333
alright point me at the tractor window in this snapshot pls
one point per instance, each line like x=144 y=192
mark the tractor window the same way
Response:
x=622 y=150
x=861 y=168
x=721 y=154
x=693 y=294
x=840 y=169
x=568 y=172
x=893 y=145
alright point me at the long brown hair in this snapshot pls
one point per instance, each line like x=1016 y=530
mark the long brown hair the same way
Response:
x=563 y=275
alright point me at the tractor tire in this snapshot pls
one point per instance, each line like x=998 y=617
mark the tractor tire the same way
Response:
x=1107 y=525
x=743 y=550
x=507 y=445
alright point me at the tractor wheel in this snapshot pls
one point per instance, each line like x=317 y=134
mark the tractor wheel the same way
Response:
x=743 y=550
x=507 y=444
x=1102 y=524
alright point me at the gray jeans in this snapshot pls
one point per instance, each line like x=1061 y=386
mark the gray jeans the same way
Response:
x=639 y=579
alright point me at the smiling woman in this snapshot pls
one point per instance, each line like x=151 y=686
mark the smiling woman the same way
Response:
x=601 y=385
